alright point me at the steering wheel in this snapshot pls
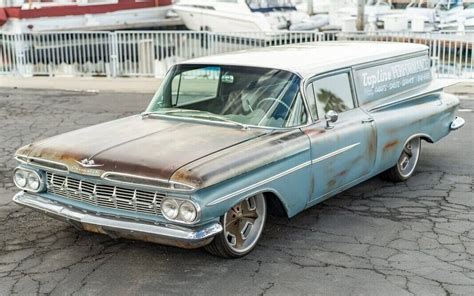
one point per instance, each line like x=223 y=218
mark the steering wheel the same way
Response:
x=274 y=100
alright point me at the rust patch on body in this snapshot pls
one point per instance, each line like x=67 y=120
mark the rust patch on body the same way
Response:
x=331 y=183
x=391 y=145
x=344 y=172
x=311 y=188
x=314 y=131
x=372 y=142
x=151 y=148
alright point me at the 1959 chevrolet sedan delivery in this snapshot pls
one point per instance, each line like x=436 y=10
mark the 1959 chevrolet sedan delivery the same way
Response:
x=230 y=138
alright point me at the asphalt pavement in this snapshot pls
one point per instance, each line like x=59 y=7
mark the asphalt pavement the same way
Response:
x=378 y=238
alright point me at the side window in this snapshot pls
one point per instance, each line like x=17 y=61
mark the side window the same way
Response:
x=195 y=85
x=333 y=93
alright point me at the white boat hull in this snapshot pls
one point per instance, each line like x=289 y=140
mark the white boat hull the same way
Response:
x=221 y=21
x=241 y=19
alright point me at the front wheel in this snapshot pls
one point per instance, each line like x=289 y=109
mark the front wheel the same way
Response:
x=406 y=163
x=242 y=227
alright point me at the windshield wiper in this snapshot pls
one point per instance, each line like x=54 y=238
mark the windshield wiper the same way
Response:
x=209 y=115
x=206 y=115
x=163 y=112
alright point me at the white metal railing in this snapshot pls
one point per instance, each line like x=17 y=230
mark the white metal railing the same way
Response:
x=124 y=53
x=151 y=53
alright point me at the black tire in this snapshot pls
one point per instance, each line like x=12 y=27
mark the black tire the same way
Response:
x=220 y=245
x=406 y=164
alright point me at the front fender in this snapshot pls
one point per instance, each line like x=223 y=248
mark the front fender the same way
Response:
x=289 y=179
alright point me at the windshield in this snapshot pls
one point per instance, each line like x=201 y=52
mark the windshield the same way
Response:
x=232 y=94
x=269 y=5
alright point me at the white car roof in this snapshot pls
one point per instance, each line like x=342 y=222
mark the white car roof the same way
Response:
x=312 y=58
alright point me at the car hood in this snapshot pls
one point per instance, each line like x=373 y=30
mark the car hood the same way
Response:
x=148 y=147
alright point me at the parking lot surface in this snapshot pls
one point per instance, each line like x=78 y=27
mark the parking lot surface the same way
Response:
x=378 y=238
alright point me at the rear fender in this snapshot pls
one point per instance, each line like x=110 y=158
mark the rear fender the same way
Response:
x=428 y=116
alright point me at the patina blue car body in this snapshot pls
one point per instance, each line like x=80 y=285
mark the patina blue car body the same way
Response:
x=395 y=99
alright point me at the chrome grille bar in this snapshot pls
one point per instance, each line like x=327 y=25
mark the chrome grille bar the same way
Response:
x=106 y=196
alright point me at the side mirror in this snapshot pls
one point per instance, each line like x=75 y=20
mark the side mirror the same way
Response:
x=331 y=116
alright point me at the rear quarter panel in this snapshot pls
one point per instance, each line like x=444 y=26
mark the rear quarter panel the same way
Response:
x=428 y=116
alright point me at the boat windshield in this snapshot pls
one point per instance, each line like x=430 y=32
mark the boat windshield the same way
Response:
x=270 y=5
x=244 y=96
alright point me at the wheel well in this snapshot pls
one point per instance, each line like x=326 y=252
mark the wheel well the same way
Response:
x=427 y=139
x=274 y=205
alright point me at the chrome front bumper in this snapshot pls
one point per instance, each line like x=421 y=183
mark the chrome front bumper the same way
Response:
x=166 y=234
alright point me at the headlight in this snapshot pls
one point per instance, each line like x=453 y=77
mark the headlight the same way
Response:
x=27 y=179
x=20 y=178
x=178 y=210
x=34 y=182
x=170 y=208
x=187 y=212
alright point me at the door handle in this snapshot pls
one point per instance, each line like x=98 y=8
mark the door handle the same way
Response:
x=368 y=120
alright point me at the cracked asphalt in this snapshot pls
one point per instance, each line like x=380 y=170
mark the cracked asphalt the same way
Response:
x=378 y=238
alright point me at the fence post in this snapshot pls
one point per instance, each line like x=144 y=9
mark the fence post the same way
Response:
x=210 y=43
x=19 y=47
x=434 y=55
x=114 y=54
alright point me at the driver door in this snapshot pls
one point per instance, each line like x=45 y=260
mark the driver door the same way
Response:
x=343 y=151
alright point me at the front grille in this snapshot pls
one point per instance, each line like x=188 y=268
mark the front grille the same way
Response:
x=107 y=196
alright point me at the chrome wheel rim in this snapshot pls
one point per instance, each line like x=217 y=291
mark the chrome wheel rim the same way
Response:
x=243 y=223
x=407 y=162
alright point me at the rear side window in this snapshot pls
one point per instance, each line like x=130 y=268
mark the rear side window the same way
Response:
x=332 y=93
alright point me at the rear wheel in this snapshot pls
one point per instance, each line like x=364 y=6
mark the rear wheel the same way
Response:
x=406 y=163
x=242 y=227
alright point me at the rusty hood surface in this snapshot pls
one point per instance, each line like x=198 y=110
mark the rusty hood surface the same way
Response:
x=149 y=147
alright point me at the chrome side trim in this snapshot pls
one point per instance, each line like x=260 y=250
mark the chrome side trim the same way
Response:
x=334 y=153
x=282 y=174
x=258 y=184
x=163 y=233
x=457 y=123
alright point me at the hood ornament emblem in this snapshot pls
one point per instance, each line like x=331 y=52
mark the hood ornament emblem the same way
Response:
x=88 y=163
